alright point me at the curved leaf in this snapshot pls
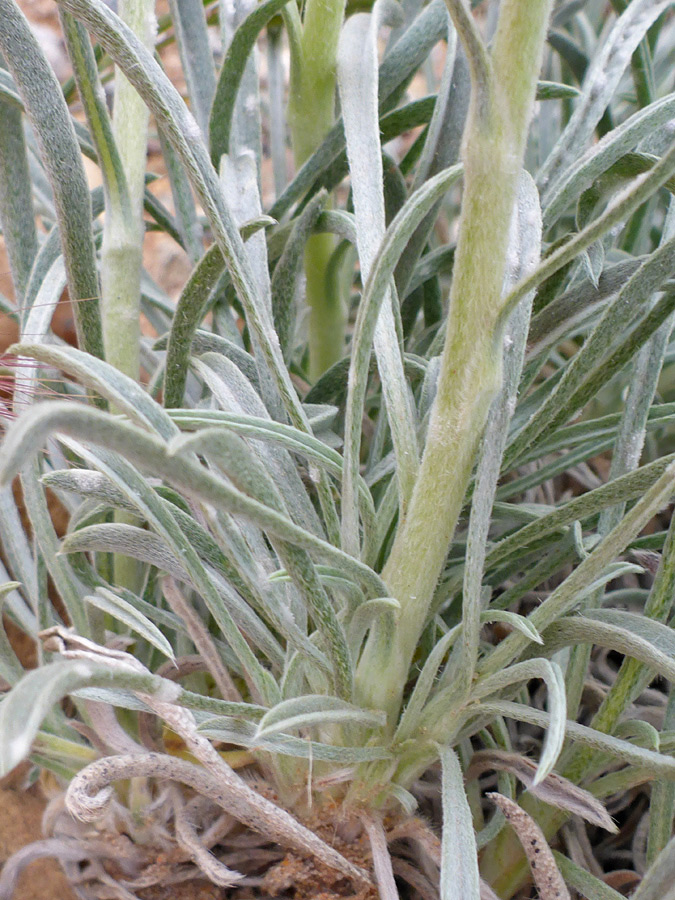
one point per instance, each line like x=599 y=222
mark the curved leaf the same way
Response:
x=119 y=609
x=424 y=684
x=192 y=37
x=615 y=144
x=122 y=392
x=16 y=202
x=551 y=674
x=658 y=764
x=27 y=435
x=600 y=83
x=520 y=623
x=636 y=636
x=310 y=711
x=243 y=734
x=23 y=709
x=357 y=82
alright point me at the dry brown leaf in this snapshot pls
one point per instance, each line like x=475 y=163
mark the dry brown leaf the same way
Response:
x=648 y=559
x=622 y=880
x=554 y=789
x=547 y=878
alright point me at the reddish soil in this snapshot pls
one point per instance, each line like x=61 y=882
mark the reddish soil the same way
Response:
x=20 y=818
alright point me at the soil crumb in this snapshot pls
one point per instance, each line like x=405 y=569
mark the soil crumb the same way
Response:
x=200 y=890
x=304 y=879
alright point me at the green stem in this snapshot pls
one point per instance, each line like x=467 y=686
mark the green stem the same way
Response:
x=122 y=249
x=311 y=116
x=326 y=312
x=121 y=253
x=503 y=91
x=122 y=244
x=118 y=221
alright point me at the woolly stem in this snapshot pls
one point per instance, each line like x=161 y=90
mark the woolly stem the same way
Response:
x=503 y=91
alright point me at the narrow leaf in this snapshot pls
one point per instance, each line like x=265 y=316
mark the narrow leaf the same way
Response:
x=27 y=435
x=600 y=83
x=657 y=764
x=248 y=474
x=373 y=296
x=287 y=274
x=459 y=858
x=180 y=128
x=598 y=158
x=122 y=392
x=118 y=608
x=658 y=881
x=67 y=584
x=49 y=116
x=243 y=734
x=16 y=202
x=397 y=68
x=357 y=81
x=10 y=667
x=520 y=623
x=636 y=636
x=309 y=711
x=231 y=73
x=564 y=598
x=551 y=674
x=583 y=882
x=192 y=37
x=424 y=685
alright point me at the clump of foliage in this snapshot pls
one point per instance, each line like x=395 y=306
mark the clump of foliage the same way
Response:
x=321 y=552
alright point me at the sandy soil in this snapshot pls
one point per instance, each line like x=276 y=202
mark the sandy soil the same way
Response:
x=20 y=817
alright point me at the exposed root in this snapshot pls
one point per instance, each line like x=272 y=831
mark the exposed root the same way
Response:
x=90 y=792
x=187 y=838
x=405 y=856
x=104 y=864
x=231 y=833
x=38 y=850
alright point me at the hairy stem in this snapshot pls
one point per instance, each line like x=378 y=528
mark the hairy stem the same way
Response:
x=121 y=254
x=122 y=249
x=503 y=90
